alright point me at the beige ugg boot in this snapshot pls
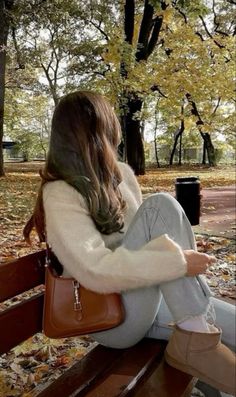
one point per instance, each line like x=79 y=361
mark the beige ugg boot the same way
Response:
x=203 y=356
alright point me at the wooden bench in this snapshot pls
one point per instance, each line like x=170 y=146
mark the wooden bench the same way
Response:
x=139 y=371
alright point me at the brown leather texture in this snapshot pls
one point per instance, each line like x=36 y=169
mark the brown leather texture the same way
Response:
x=98 y=311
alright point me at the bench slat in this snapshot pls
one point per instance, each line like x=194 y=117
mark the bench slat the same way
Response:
x=107 y=372
x=130 y=371
x=20 y=322
x=166 y=381
x=21 y=275
x=86 y=372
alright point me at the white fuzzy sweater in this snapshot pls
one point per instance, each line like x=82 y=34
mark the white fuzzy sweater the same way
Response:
x=99 y=261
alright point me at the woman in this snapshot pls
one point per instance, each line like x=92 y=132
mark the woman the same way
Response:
x=89 y=205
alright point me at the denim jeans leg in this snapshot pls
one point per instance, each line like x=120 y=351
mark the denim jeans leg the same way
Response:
x=225 y=319
x=159 y=214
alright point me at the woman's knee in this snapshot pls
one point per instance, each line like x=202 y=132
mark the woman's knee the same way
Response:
x=166 y=215
x=165 y=203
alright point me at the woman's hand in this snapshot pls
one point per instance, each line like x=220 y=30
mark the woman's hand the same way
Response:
x=197 y=263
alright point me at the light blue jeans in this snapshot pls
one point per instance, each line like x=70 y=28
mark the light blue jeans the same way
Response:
x=150 y=311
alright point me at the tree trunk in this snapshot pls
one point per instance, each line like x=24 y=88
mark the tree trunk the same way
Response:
x=174 y=149
x=209 y=149
x=178 y=135
x=180 y=149
x=204 y=153
x=25 y=157
x=156 y=153
x=155 y=139
x=3 y=41
x=148 y=36
x=4 y=28
x=208 y=145
x=134 y=149
x=5 y=7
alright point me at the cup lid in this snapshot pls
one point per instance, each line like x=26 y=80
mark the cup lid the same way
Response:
x=187 y=179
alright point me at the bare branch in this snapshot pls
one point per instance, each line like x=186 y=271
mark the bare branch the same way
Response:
x=221 y=32
x=216 y=23
x=180 y=11
x=98 y=27
x=155 y=35
x=209 y=34
x=200 y=35
x=194 y=111
x=129 y=20
x=145 y=30
x=52 y=84
x=21 y=64
x=216 y=107
x=215 y=15
x=157 y=88
x=231 y=2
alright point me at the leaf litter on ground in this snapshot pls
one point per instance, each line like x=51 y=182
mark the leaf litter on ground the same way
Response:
x=221 y=275
x=31 y=366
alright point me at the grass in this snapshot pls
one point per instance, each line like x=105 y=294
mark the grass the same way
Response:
x=18 y=190
x=163 y=179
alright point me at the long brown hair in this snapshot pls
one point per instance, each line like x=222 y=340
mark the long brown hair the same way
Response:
x=85 y=133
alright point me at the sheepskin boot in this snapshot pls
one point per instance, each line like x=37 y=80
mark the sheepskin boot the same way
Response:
x=203 y=356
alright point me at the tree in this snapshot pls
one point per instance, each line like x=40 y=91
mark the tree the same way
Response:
x=200 y=68
x=6 y=7
x=41 y=41
x=46 y=39
x=155 y=137
x=132 y=100
x=134 y=53
x=27 y=120
x=178 y=137
x=125 y=42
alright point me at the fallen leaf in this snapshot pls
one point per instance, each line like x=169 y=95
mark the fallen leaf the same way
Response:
x=229 y=294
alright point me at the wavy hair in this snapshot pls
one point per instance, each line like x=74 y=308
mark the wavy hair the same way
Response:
x=85 y=134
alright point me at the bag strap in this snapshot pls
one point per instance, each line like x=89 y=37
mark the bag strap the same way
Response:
x=48 y=256
x=52 y=260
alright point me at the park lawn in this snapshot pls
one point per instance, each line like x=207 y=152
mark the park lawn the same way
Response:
x=18 y=190
x=163 y=179
x=17 y=196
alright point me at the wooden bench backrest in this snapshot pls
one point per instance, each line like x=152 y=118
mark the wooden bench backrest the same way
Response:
x=23 y=319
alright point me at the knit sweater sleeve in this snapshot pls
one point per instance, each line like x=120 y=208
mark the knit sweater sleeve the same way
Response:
x=81 y=250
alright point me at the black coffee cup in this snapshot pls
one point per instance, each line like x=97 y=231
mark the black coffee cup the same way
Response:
x=187 y=190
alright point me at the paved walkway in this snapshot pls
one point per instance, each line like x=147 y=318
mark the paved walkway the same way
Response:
x=218 y=219
x=218 y=212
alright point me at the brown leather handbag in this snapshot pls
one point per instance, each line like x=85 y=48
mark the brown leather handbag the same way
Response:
x=72 y=310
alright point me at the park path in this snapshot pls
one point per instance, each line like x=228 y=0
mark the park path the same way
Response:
x=218 y=212
x=217 y=219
